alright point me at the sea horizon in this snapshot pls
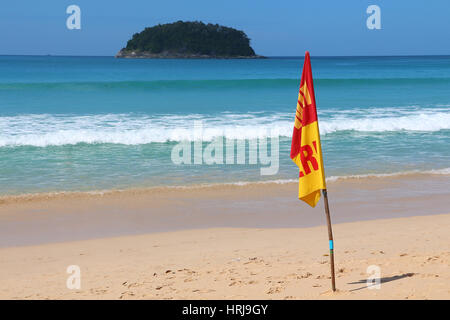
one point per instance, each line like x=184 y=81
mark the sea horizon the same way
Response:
x=269 y=56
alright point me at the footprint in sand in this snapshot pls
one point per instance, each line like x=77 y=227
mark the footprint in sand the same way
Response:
x=274 y=290
x=235 y=283
x=130 y=285
x=126 y=294
x=98 y=291
x=304 y=276
x=434 y=258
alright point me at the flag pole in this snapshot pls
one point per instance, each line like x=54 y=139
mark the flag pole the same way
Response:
x=330 y=237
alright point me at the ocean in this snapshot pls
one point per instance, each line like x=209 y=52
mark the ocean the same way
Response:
x=100 y=123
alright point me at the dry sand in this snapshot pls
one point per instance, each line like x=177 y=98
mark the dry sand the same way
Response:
x=226 y=263
x=229 y=242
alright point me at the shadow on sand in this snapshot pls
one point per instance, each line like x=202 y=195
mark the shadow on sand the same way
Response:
x=382 y=280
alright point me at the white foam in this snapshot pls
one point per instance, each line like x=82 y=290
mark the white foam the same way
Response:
x=130 y=129
x=414 y=122
x=444 y=171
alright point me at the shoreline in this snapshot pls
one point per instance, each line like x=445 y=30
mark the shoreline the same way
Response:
x=130 y=54
x=61 y=217
x=46 y=195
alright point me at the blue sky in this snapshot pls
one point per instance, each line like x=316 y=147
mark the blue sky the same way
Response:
x=283 y=27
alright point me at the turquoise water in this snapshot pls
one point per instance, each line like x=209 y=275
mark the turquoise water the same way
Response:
x=90 y=123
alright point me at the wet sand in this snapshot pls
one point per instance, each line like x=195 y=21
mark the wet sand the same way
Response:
x=38 y=219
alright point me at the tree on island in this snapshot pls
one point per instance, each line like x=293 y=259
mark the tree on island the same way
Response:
x=188 y=39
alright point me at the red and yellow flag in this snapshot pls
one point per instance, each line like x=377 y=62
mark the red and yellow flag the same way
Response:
x=306 y=150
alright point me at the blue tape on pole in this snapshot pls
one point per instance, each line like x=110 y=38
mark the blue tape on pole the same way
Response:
x=331 y=244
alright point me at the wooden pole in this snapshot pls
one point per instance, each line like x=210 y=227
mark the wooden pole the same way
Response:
x=330 y=237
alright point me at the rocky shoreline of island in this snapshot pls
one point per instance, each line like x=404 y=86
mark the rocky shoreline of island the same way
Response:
x=129 y=54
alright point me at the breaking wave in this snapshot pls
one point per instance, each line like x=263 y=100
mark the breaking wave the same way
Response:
x=134 y=129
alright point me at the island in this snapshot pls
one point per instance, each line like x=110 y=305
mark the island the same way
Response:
x=189 y=40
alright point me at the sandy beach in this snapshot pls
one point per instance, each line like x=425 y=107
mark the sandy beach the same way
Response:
x=229 y=242
x=225 y=263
